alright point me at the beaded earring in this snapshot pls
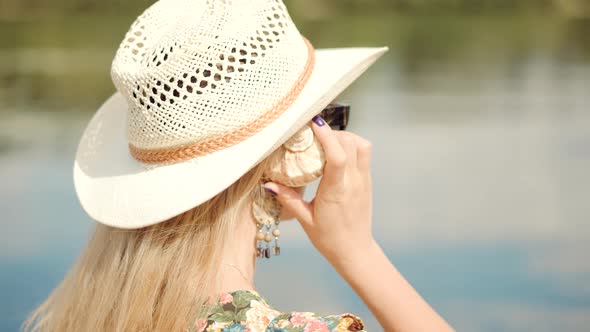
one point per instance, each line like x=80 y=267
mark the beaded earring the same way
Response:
x=295 y=163
x=266 y=210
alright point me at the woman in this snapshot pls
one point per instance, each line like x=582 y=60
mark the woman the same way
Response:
x=172 y=165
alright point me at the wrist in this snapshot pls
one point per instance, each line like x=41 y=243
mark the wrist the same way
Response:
x=358 y=253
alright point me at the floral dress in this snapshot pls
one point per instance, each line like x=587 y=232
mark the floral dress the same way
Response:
x=248 y=311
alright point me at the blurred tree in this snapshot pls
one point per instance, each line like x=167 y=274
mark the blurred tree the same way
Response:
x=12 y=9
x=574 y=8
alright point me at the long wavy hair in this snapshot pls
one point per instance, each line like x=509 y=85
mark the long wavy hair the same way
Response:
x=154 y=278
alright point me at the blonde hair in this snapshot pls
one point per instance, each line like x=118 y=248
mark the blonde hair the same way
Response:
x=149 y=279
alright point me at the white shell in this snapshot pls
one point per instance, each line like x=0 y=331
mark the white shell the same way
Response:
x=266 y=210
x=301 y=140
x=299 y=161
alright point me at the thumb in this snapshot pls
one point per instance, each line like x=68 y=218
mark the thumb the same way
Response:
x=291 y=200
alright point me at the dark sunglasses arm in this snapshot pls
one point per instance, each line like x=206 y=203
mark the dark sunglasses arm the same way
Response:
x=336 y=115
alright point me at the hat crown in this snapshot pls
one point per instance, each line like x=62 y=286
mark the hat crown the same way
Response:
x=194 y=71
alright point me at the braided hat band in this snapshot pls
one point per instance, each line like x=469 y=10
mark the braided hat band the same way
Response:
x=200 y=76
x=227 y=139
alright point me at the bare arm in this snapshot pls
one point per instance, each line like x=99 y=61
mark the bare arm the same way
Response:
x=394 y=302
x=338 y=223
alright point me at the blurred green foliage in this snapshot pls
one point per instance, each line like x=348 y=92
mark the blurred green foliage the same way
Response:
x=20 y=8
x=57 y=55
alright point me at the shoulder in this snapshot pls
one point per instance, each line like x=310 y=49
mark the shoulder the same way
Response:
x=248 y=311
x=306 y=321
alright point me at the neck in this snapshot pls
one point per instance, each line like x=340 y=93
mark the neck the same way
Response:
x=241 y=253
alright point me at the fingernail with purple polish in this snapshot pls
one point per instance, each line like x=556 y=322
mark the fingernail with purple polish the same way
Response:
x=270 y=191
x=318 y=120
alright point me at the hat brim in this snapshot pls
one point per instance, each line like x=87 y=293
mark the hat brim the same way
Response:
x=117 y=190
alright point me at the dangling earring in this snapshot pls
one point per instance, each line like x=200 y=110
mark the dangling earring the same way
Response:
x=295 y=163
x=266 y=210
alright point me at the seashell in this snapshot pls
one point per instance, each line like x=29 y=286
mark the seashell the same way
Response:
x=301 y=140
x=299 y=161
x=266 y=210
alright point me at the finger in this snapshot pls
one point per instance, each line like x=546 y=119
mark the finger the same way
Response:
x=364 y=151
x=291 y=200
x=333 y=151
x=348 y=142
x=286 y=214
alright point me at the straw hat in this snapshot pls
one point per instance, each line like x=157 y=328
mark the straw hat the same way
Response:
x=205 y=91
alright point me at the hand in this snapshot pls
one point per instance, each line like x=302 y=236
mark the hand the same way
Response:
x=338 y=219
x=288 y=214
